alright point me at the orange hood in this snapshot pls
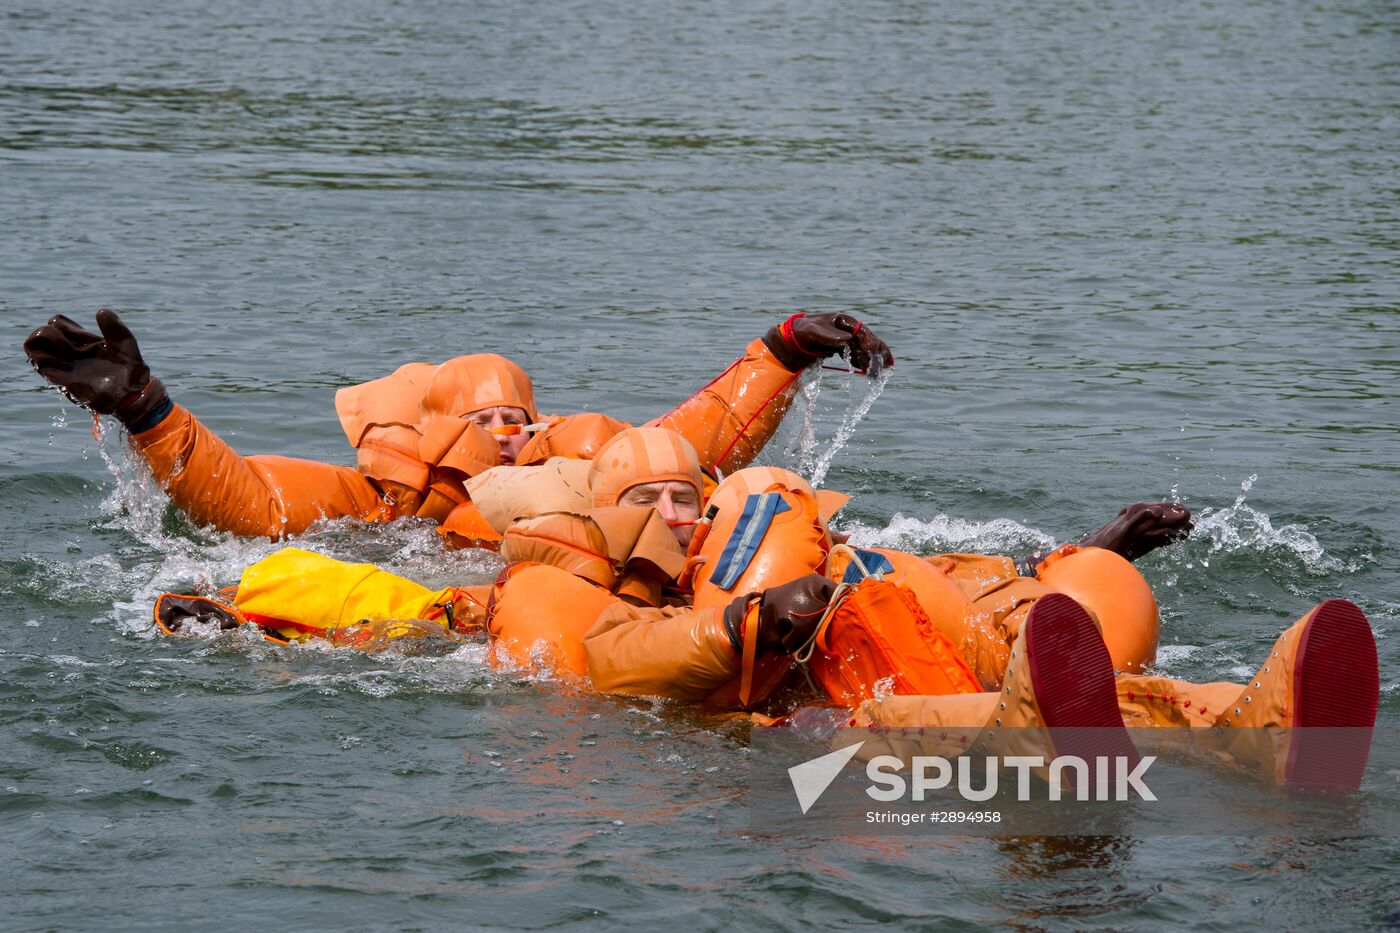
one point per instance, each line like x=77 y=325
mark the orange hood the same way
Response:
x=418 y=393
x=642 y=455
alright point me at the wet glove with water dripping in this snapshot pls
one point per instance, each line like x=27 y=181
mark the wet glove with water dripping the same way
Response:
x=103 y=372
x=803 y=339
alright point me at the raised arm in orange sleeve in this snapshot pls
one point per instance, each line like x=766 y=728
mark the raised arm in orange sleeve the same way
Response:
x=730 y=420
x=733 y=417
x=680 y=653
x=266 y=496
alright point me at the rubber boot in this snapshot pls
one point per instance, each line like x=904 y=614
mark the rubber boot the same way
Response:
x=1058 y=699
x=1306 y=716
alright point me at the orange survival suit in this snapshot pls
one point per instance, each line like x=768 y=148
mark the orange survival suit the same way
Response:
x=589 y=597
x=591 y=594
x=1321 y=674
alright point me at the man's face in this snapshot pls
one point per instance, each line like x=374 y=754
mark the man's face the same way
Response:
x=676 y=501
x=500 y=417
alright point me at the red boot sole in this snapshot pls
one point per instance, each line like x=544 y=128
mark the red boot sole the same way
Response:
x=1072 y=675
x=1336 y=690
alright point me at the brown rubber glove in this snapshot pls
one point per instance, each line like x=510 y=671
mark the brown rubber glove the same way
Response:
x=787 y=617
x=104 y=372
x=1141 y=528
x=173 y=611
x=1136 y=531
x=803 y=339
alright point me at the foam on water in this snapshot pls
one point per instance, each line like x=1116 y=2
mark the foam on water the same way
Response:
x=1238 y=528
x=400 y=671
x=945 y=534
x=1169 y=655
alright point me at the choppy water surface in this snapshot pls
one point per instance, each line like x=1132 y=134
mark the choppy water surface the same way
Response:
x=1122 y=250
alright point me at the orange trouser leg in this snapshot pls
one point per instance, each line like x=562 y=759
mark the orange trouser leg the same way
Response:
x=1162 y=701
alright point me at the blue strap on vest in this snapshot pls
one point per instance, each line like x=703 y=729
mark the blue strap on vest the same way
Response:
x=759 y=511
x=874 y=561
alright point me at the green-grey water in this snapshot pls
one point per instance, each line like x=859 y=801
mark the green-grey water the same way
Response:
x=1122 y=251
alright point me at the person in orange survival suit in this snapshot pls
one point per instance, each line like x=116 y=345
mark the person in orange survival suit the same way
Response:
x=421 y=431
x=575 y=549
x=648 y=467
x=1322 y=672
x=566 y=567
x=585 y=597
x=758 y=607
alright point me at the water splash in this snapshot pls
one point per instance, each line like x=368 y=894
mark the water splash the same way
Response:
x=801 y=447
x=1169 y=656
x=855 y=413
x=58 y=422
x=136 y=505
x=805 y=452
x=402 y=670
x=1239 y=527
x=884 y=688
x=175 y=555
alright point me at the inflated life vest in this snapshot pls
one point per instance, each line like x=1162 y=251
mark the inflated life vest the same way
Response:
x=767 y=527
x=1113 y=590
x=410 y=433
x=578 y=437
x=762 y=527
x=539 y=614
x=293 y=594
x=506 y=494
x=916 y=633
x=878 y=641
